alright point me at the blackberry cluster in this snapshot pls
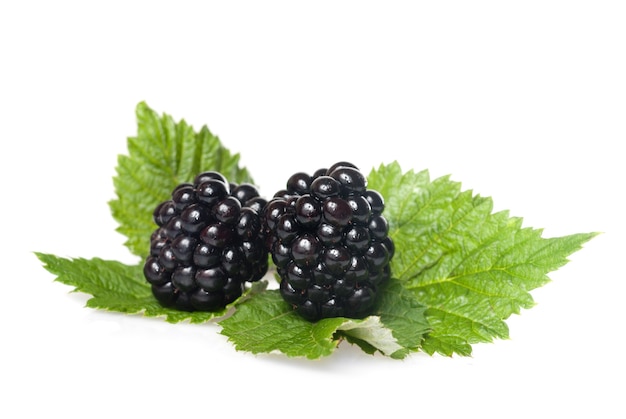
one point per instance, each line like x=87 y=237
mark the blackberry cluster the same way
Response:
x=208 y=243
x=329 y=241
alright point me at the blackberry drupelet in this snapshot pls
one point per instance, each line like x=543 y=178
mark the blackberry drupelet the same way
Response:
x=329 y=241
x=208 y=243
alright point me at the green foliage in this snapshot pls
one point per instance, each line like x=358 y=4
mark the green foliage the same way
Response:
x=470 y=267
x=266 y=324
x=459 y=270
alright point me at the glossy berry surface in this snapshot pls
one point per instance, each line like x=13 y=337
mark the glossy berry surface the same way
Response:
x=329 y=241
x=208 y=243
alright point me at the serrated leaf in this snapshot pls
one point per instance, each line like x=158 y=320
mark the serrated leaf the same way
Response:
x=163 y=154
x=116 y=286
x=267 y=323
x=470 y=267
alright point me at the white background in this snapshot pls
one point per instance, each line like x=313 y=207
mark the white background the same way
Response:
x=521 y=101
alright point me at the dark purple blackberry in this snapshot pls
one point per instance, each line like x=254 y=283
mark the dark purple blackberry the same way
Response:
x=209 y=242
x=329 y=241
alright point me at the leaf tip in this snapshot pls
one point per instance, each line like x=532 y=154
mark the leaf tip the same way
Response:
x=141 y=106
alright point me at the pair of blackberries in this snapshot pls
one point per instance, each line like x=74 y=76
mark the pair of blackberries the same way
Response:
x=325 y=233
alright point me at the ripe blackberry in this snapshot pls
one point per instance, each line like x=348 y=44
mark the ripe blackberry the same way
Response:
x=208 y=243
x=328 y=239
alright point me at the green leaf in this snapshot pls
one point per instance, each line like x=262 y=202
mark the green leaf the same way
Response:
x=371 y=335
x=471 y=268
x=162 y=155
x=115 y=286
x=266 y=323
x=404 y=315
x=459 y=270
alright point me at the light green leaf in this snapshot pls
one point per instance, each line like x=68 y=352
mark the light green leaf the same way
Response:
x=470 y=267
x=162 y=155
x=372 y=331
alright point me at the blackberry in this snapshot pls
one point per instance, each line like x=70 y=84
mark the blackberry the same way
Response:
x=208 y=243
x=329 y=241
